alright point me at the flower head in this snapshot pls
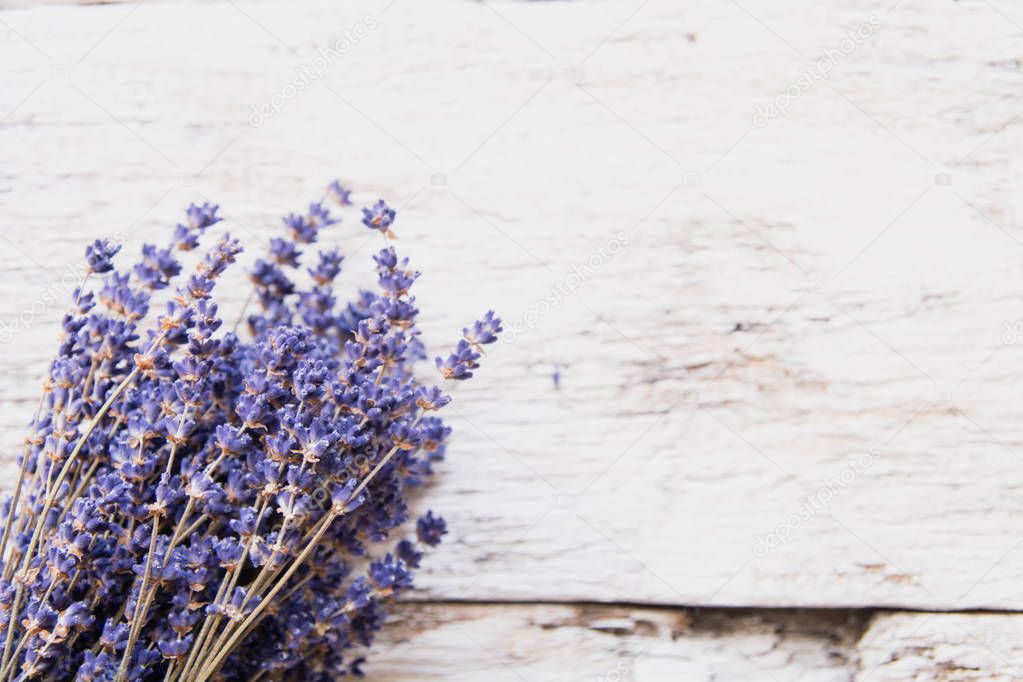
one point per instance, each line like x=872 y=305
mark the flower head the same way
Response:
x=483 y=331
x=460 y=363
x=430 y=528
x=339 y=193
x=99 y=255
x=379 y=217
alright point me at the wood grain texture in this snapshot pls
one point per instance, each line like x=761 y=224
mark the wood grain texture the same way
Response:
x=941 y=647
x=534 y=643
x=790 y=297
x=608 y=644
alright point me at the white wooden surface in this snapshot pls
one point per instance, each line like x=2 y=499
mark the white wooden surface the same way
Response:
x=844 y=280
x=538 y=643
x=902 y=646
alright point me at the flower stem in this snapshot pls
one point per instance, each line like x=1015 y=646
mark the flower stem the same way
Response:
x=30 y=552
x=224 y=651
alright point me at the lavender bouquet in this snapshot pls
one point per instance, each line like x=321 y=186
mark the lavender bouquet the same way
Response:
x=195 y=506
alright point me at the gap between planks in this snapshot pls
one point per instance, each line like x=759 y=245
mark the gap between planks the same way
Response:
x=535 y=642
x=701 y=608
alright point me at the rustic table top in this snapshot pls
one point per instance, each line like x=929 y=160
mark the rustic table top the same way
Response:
x=761 y=263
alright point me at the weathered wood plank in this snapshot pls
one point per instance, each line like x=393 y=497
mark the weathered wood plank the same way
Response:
x=545 y=642
x=606 y=644
x=941 y=647
x=816 y=294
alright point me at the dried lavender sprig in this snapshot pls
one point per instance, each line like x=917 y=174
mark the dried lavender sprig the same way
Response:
x=225 y=644
x=207 y=271
x=98 y=257
x=29 y=553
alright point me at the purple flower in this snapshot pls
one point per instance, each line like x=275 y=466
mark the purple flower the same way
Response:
x=431 y=398
x=390 y=574
x=459 y=364
x=99 y=254
x=328 y=267
x=379 y=217
x=339 y=193
x=157 y=267
x=483 y=331
x=430 y=528
x=202 y=217
x=175 y=649
x=198 y=220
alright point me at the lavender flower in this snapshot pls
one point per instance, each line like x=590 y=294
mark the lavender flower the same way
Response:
x=339 y=193
x=99 y=256
x=379 y=217
x=459 y=365
x=484 y=331
x=192 y=505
